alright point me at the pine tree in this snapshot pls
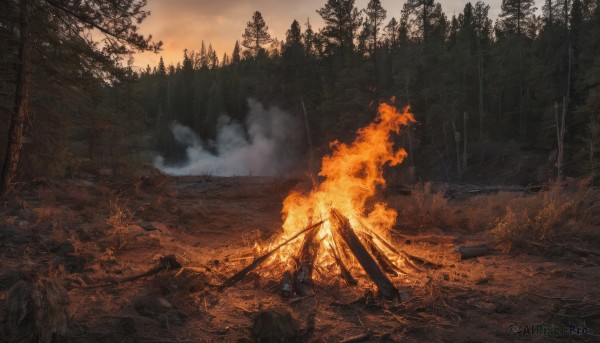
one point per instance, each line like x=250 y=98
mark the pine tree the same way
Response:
x=392 y=33
x=482 y=23
x=235 y=55
x=293 y=51
x=293 y=36
x=203 y=56
x=516 y=15
x=225 y=60
x=214 y=60
x=37 y=29
x=209 y=57
x=375 y=15
x=419 y=13
x=342 y=20
x=309 y=38
x=162 y=71
x=256 y=34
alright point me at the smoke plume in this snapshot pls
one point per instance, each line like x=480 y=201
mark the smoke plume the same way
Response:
x=265 y=146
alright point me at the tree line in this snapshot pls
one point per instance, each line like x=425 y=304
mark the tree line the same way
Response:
x=482 y=90
x=477 y=86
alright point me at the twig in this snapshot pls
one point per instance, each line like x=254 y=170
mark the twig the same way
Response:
x=166 y=263
x=577 y=250
x=551 y=298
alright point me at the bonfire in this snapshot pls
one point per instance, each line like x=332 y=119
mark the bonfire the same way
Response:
x=337 y=226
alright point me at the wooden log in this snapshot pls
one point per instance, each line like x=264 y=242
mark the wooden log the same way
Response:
x=344 y=229
x=344 y=272
x=242 y=273
x=408 y=259
x=473 y=251
x=358 y=338
x=384 y=262
x=304 y=264
x=286 y=285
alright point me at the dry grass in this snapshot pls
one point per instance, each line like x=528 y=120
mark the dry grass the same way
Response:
x=560 y=214
x=564 y=212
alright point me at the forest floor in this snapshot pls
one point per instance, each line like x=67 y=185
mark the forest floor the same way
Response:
x=83 y=232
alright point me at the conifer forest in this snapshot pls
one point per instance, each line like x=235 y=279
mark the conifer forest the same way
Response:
x=379 y=171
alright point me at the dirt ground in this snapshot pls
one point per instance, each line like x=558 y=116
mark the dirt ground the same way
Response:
x=81 y=233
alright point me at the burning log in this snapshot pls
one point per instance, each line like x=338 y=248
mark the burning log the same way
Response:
x=344 y=229
x=385 y=263
x=242 y=273
x=344 y=272
x=286 y=285
x=407 y=258
x=305 y=263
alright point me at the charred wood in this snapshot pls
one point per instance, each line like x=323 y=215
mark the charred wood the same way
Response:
x=286 y=285
x=384 y=262
x=344 y=272
x=344 y=229
x=473 y=251
x=305 y=263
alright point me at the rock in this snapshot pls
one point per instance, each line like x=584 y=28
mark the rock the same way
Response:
x=164 y=303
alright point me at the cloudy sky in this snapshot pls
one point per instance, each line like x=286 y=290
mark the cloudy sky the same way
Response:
x=182 y=24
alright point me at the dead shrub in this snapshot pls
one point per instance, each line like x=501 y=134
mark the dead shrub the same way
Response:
x=558 y=214
x=424 y=208
x=120 y=215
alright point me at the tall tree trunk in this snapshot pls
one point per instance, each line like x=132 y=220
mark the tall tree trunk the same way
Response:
x=522 y=130
x=560 y=136
x=410 y=149
x=311 y=155
x=17 y=120
x=457 y=143
x=480 y=70
x=465 y=128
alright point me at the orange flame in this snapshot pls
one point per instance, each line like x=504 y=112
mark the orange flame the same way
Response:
x=352 y=174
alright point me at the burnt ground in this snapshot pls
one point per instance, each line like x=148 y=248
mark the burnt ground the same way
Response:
x=93 y=231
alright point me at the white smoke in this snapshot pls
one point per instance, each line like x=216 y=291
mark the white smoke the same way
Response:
x=267 y=148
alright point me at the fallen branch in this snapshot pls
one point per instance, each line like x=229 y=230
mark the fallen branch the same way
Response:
x=242 y=273
x=433 y=239
x=577 y=250
x=168 y=262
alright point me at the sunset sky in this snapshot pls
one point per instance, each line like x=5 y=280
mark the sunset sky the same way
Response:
x=182 y=24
